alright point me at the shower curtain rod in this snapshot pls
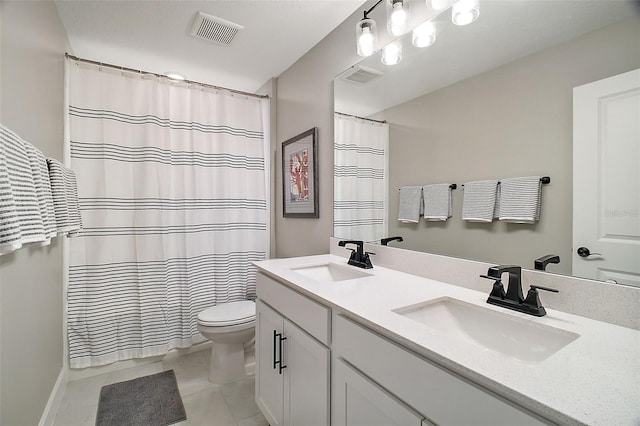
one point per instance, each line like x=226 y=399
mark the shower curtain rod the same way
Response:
x=362 y=118
x=197 y=83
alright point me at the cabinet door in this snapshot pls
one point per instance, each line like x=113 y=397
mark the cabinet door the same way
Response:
x=358 y=401
x=269 y=378
x=306 y=379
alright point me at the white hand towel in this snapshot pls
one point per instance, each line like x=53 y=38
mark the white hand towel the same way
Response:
x=65 y=198
x=520 y=199
x=410 y=204
x=22 y=186
x=437 y=201
x=479 y=201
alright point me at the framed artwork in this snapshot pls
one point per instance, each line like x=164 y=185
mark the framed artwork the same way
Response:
x=300 y=175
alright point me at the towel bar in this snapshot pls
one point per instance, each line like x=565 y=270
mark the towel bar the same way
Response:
x=452 y=186
x=544 y=179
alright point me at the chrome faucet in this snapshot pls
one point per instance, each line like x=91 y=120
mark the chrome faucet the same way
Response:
x=358 y=257
x=513 y=298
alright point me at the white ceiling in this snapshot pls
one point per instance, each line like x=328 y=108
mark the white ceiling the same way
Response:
x=153 y=35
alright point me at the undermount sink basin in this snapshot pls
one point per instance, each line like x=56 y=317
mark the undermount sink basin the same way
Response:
x=330 y=272
x=503 y=333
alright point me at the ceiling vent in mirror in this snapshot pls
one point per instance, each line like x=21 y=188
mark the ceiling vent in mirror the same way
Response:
x=360 y=75
x=212 y=28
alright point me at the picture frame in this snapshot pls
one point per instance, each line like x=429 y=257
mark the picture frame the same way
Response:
x=300 y=175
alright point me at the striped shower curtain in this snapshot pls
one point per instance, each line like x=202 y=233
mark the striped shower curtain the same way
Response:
x=172 y=184
x=360 y=178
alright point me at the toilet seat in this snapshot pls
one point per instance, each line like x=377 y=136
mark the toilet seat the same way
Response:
x=233 y=314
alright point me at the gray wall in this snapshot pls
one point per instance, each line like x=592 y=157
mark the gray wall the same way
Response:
x=516 y=120
x=31 y=289
x=270 y=88
x=305 y=100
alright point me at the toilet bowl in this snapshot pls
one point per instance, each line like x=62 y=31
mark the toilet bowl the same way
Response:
x=229 y=326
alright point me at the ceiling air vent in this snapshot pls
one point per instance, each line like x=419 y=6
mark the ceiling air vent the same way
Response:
x=360 y=75
x=212 y=28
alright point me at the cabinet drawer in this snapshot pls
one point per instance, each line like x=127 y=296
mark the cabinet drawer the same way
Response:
x=309 y=315
x=441 y=396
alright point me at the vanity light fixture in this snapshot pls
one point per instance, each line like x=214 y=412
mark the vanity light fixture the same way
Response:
x=392 y=53
x=397 y=16
x=367 y=33
x=424 y=34
x=465 y=12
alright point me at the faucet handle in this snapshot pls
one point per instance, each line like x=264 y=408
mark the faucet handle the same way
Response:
x=536 y=287
x=366 y=261
x=533 y=299
x=353 y=253
x=498 y=289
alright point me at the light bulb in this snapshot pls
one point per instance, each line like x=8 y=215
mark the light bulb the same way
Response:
x=392 y=53
x=424 y=34
x=398 y=15
x=366 y=37
x=398 y=19
x=366 y=42
x=465 y=12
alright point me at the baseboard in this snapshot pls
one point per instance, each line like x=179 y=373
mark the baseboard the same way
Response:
x=55 y=399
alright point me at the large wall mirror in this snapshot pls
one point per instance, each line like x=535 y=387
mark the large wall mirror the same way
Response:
x=492 y=100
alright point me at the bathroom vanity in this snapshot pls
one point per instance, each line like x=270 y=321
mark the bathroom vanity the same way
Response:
x=346 y=346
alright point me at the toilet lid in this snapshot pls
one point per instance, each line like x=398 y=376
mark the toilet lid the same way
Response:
x=232 y=313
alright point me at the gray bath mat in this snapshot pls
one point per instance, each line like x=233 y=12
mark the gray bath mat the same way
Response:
x=146 y=401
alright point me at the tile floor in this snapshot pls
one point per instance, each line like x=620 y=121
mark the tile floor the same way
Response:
x=206 y=404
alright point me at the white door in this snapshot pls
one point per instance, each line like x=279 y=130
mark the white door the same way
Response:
x=306 y=387
x=269 y=377
x=606 y=179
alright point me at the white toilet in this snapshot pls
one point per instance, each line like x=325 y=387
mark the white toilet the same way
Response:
x=229 y=326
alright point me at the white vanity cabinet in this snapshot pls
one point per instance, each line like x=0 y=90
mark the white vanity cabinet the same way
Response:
x=352 y=360
x=318 y=367
x=292 y=363
x=440 y=396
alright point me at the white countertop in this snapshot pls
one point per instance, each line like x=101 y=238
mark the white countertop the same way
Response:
x=594 y=380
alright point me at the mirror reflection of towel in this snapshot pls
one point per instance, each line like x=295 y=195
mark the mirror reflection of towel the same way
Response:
x=479 y=201
x=410 y=204
x=437 y=201
x=520 y=199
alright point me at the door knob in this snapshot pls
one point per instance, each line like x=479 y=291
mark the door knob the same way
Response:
x=585 y=252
